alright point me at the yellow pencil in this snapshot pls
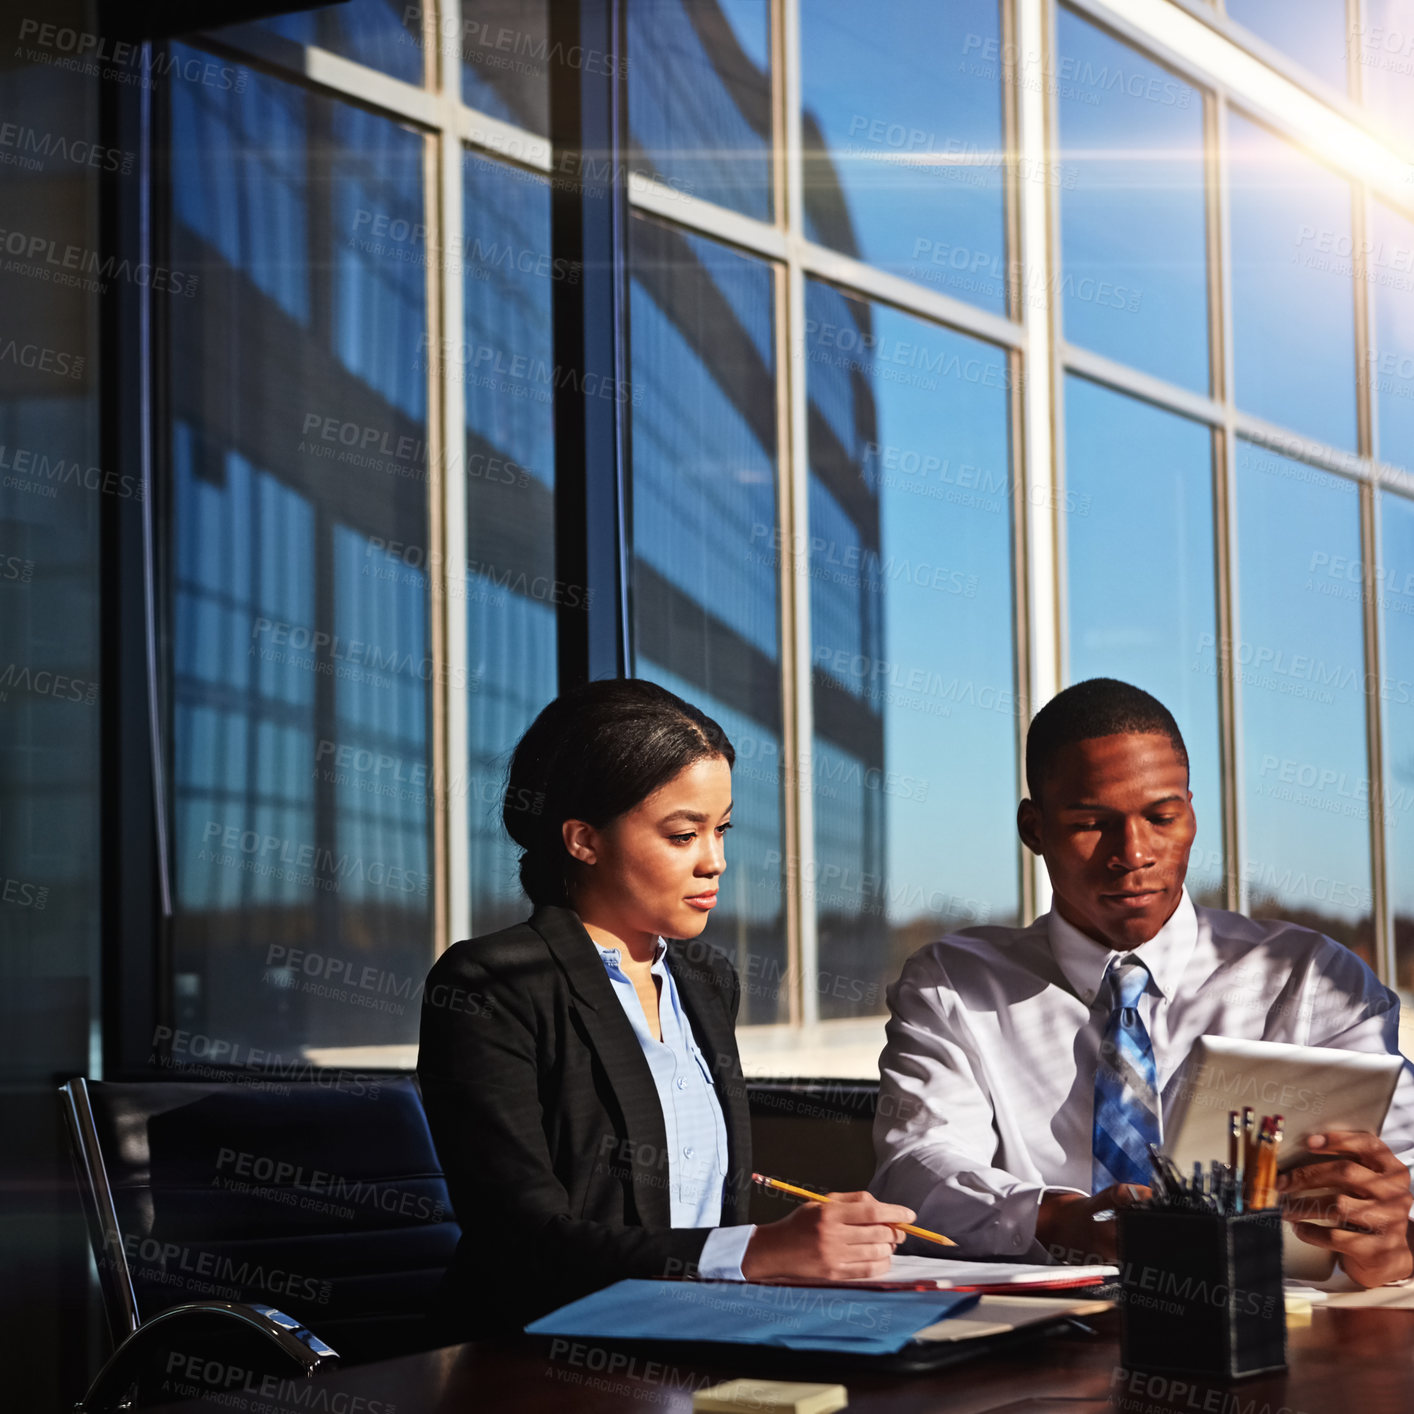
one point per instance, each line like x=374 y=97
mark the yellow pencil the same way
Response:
x=781 y=1187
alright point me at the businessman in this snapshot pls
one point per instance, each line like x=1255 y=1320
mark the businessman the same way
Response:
x=1027 y=1069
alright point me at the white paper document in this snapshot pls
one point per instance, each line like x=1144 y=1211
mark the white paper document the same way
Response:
x=947 y=1273
x=1398 y=1295
x=996 y=1315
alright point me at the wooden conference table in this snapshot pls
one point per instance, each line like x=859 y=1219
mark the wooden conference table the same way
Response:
x=1343 y=1362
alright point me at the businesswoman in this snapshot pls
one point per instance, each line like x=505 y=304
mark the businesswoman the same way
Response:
x=580 y=1074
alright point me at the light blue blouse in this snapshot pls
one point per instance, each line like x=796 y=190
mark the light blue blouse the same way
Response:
x=692 y=1115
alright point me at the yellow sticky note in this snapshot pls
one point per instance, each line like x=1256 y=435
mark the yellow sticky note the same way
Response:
x=770 y=1397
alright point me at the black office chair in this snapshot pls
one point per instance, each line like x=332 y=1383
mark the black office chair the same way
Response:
x=314 y=1215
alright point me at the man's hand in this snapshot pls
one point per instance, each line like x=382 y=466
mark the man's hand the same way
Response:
x=1066 y=1226
x=1357 y=1204
x=847 y=1237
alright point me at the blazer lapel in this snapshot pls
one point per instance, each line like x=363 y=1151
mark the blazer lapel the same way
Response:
x=622 y=1057
x=712 y=1026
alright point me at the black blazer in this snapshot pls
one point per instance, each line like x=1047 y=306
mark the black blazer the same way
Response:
x=548 y=1124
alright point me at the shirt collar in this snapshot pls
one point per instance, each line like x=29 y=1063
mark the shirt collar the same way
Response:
x=1085 y=961
x=613 y=958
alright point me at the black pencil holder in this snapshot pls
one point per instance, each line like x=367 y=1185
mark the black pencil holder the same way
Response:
x=1200 y=1292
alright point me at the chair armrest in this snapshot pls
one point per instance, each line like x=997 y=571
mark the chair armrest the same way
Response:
x=112 y=1387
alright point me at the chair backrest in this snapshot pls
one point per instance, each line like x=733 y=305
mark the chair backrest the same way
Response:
x=821 y=1130
x=326 y=1201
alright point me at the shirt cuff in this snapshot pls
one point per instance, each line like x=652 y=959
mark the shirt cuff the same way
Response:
x=722 y=1253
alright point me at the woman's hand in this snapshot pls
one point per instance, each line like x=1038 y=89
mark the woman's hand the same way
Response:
x=847 y=1237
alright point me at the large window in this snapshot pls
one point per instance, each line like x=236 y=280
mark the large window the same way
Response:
x=1133 y=211
x=706 y=552
x=1292 y=241
x=966 y=352
x=1142 y=579
x=1394 y=586
x=700 y=99
x=301 y=659
x=1383 y=45
x=510 y=588
x=902 y=167
x=1312 y=32
x=911 y=661
x=1300 y=660
x=1390 y=273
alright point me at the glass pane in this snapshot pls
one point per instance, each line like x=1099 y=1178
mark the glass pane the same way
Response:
x=1300 y=661
x=1134 y=282
x=1310 y=31
x=901 y=126
x=300 y=655
x=911 y=613
x=1391 y=275
x=511 y=590
x=1385 y=51
x=384 y=34
x=505 y=59
x=1293 y=310
x=1395 y=585
x=699 y=98
x=1139 y=512
x=705 y=598
x=57 y=494
x=54 y=495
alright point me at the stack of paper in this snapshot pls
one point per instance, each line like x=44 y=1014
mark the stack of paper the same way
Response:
x=1398 y=1296
x=949 y=1274
x=999 y=1315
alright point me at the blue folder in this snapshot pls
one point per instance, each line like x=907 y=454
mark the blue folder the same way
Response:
x=794 y=1317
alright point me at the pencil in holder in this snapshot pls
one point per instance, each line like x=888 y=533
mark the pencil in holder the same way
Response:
x=1201 y=1291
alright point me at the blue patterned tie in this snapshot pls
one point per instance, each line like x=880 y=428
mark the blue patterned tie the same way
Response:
x=1126 y=1088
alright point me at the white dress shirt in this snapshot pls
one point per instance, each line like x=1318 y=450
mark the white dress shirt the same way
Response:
x=987 y=1079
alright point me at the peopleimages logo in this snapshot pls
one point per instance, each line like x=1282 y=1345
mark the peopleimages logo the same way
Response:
x=244 y=1171
x=303 y=861
x=121 y=61
x=277 y=1394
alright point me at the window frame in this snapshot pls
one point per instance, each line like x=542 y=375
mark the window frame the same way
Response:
x=1191 y=38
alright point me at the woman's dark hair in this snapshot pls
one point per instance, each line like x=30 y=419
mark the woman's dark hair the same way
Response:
x=593 y=754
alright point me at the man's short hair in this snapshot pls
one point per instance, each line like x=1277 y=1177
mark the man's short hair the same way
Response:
x=1094 y=708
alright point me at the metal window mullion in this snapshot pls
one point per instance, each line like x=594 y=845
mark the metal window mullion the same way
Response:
x=1020 y=567
x=447 y=483
x=436 y=547
x=1299 y=448
x=727 y=227
x=1370 y=557
x=503 y=141
x=902 y=293
x=762 y=239
x=1144 y=386
x=1354 y=77
x=1220 y=454
x=1055 y=363
x=1377 y=727
x=326 y=73
x=1036 y=497
x=1225 y=526
x=803 y=946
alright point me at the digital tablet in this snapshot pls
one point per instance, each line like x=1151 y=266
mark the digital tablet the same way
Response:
x=1314 y=1088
